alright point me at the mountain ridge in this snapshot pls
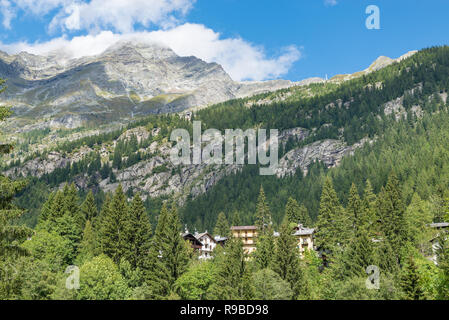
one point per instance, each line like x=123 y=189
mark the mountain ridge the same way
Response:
x=128 y=79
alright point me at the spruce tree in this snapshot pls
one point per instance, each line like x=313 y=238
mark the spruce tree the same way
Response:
x=113 y=235
x=410 y=282
x=359 y=255
x=169 y=254
x=263 y=256
x=355 y=210
x=89 y=208
x=140 y=233
x=296 y=213
x=443 y=266
x=232 y=279
x=236 y=220
x=222 y=226
x=59 y=216
x=330 y=225
x=11 y=235
x=391 y=212
x=370 y=208
x=286 y=260
x=263 y=214
x=88 y=245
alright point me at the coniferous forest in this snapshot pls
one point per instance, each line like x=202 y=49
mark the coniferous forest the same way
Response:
x=384 y=205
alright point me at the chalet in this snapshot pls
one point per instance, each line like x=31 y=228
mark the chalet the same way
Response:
x=248 y=234
x=304 y=238
x=194 y=242
x=221 y=240
x=208 y=244
x=440 y=227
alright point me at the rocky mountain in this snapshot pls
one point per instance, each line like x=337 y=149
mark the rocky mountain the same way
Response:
x=128 y=79
x=380 y=63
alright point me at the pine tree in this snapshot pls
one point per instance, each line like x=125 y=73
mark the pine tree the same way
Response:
x=359 y=255
x=232 y=280
x=236 y=220
x=443 y=266
x=59 y=216
x=71 y=200
x=263 y=256
x=286 y=260
x=88 y=245
x=222 y=226
x=11 y=235
x=355 y=210
x=386 y=257
x=296 y=213
x=330 y=225
x=89 y=208
x=263 y=214
x=370 y=208
x=140 y=234
x=391 y=211
x=169 y=254
x=113 y=235
x=410 y=282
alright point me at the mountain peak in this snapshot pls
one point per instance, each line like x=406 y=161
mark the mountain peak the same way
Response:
x=146 y=49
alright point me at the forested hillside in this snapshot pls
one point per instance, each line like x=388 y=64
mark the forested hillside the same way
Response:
x=373 y=207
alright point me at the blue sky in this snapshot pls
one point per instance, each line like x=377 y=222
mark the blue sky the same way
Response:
x=252 y=39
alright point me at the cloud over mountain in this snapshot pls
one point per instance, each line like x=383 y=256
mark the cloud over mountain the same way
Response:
x=241 y=59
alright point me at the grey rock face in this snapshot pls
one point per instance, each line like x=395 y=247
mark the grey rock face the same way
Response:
x=126 y=80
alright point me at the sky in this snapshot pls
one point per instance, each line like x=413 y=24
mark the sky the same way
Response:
x=251 y=39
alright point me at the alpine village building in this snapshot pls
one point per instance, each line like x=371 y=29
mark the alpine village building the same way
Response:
x=204 y=243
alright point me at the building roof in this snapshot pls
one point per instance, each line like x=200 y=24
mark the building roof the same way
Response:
x=439 y=225
x=220 y=238
x=200 y=235
x=244 y=228
x=192 y=238
x=302 y=231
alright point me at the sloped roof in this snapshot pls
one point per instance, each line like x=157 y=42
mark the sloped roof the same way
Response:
x=439 y=225
x=244 y=228
x=220 y=238
x=304 y=231
x=200 y=235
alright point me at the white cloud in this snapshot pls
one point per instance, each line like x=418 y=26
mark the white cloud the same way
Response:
x=95 y=15
x=7 y=13
x=241 y=59
x=330 y=2
x=107 y=22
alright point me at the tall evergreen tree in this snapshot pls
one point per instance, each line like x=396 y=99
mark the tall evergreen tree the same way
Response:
x=140 y=234
x=443 y=266
x=88 y=244
x=236 y=219
x=114 y=227
x=286 y=261
x=410 y=282
x=391 y=212
x=89 y=209
x=169 y=254
x=222 y=226
x=330 y=225
x=296 y=213
x=11 y=235
x=370 y=208
x=263 y=256
x=263 y=214
x=232 y=281
x=358 y=255
x=355 y=210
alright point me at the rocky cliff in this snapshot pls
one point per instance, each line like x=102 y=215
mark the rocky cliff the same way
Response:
x=127 y=80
